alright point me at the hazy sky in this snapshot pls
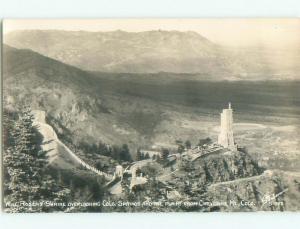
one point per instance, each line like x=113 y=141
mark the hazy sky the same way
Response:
x=235 y=32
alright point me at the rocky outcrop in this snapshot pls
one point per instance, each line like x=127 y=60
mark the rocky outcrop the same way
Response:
x=271 y=191
x=225 y=166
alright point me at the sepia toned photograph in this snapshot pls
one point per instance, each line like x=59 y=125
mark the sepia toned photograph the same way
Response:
x=150 y=115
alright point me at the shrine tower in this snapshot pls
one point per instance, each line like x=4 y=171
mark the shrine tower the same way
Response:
x=226 y=132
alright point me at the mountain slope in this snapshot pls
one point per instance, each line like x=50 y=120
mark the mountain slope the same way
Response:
x=18 y=62
x=71 y=97
x=159 y=51
x=119 y=51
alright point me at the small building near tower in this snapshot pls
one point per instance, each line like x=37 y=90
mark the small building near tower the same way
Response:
x=225 y=138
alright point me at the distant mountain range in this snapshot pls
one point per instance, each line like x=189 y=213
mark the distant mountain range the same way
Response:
x=153 y=52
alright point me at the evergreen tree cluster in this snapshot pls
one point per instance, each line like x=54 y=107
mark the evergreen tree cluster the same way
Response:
x=26 y=180
x=182 y=146
x=165 y=154
x=204 y=141
x=143 y=156
x=121 y=154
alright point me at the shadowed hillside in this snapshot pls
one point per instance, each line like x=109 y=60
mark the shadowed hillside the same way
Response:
x=77 y=100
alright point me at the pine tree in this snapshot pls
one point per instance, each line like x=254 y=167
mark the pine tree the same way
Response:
x=188 y=144
x=158 y=159
x=180 y=149
x=165 y=154
x=124 y=153
x=138 y=155
x=147 y=156
x=26 y=180
x=25 y=134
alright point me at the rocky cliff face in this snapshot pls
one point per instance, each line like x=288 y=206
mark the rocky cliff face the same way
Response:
x=275 y=191
x=225 y=167
x=233 y=181
x=220 y=166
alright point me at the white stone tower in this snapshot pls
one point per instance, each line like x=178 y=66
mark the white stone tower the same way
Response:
x=226 y=133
